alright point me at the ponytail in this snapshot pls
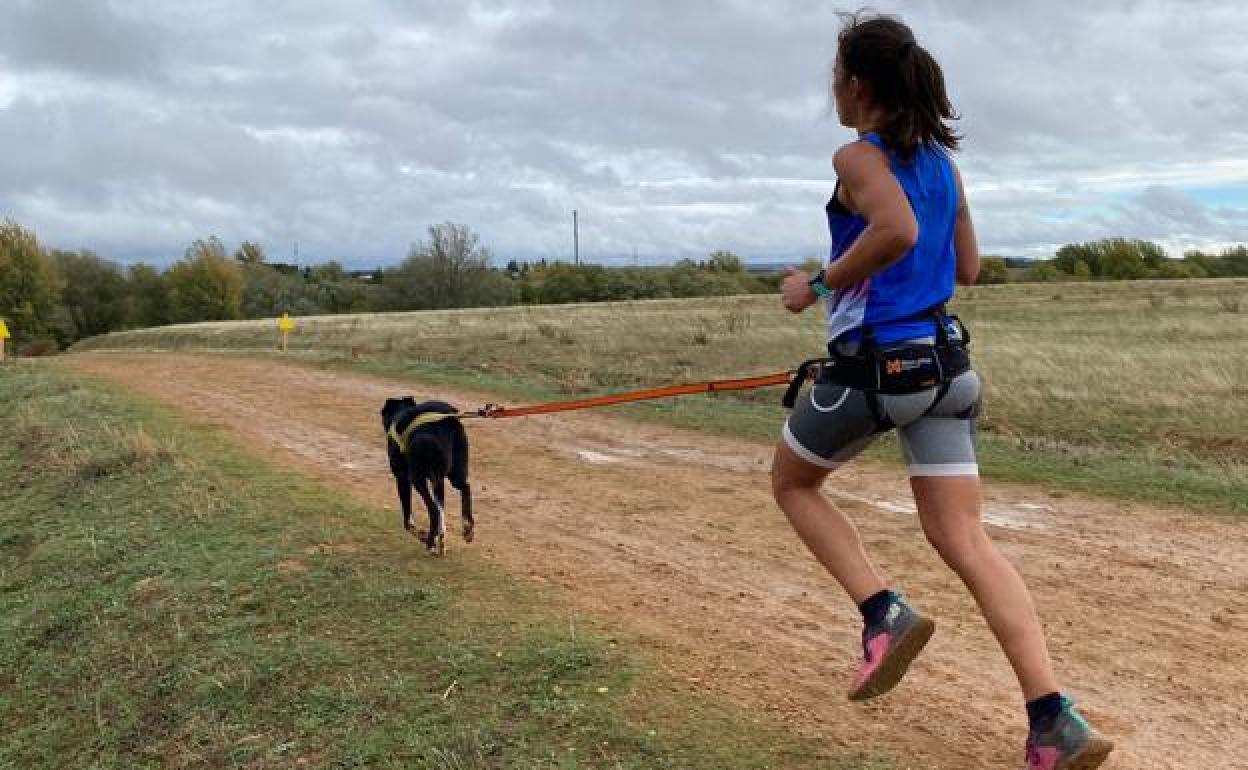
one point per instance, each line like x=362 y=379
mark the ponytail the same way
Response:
x=906 y=82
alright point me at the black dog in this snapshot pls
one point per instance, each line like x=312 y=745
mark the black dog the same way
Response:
x=425 y=449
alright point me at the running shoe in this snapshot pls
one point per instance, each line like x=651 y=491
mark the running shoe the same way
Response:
x=1068 y=744
x=888 y=649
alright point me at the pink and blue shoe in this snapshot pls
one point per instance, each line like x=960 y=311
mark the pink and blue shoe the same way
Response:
x=1068 y=743
x=889 y=647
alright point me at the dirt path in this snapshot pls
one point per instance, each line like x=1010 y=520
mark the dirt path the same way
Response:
x=674 y=534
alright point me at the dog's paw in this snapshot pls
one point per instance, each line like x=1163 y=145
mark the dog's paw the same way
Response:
x=468 y=530
x=437 y=547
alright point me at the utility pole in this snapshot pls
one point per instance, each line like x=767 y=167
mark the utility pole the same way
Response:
x=576 y=239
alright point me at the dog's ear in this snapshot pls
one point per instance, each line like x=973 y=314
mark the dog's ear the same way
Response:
x=388 y=409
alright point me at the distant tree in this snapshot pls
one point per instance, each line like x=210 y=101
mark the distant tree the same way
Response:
x=329 y=272
x=249 y=253
x=1236 y=260
x=148 y=301
x=29 y=284
x=1070 y=254
x=206 y=247
x=1202 y=265
x=1113 y=258
x=725 y=262
x=449 y=270
x=561 y=282
x=1176 y=268
x=95 y=295
x=1122 y=259
x=1043 y=271
x=335 y=290
x=1153 y=255
x=992 y=270
x=687 y=280
x=268 y=292
x=206 y=285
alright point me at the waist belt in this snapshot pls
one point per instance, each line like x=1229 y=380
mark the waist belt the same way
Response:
x=894 y=370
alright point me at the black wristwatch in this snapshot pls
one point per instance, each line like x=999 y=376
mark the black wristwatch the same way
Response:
x=816 y=284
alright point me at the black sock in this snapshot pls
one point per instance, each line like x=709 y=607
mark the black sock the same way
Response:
x=1043 y=710
x=876 y=607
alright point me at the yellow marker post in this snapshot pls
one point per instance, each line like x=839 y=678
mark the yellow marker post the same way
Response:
x=4 y=335
x=285 y=325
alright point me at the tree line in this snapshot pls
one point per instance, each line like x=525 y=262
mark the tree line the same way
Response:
x=1118 y=259
x=52 y=297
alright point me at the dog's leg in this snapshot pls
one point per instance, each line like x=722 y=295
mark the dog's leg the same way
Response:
x=459 y=480
x=439 y=496
x=465 y=506
x=436 y=536
x=404 y=483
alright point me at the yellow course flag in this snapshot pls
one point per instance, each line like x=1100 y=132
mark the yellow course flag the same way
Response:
x=286 y=324
x=4 y=330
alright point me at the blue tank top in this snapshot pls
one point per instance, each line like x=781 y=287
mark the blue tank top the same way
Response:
x=892 y=302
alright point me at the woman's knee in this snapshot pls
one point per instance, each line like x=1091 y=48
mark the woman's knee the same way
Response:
x=785 y=485
x=790 y=475
x=960 y=544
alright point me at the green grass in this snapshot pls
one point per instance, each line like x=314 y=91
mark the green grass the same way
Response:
x=1126 y=389
x=168 y=600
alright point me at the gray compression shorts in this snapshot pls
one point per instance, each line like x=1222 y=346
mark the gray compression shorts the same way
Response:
x=832 y=423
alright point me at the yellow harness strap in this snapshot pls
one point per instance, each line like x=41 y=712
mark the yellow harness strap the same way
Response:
x=402 y=440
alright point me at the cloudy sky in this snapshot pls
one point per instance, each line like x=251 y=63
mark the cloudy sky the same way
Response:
x=674 y=128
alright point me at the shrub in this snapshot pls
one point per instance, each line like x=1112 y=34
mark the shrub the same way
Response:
x=43 y=346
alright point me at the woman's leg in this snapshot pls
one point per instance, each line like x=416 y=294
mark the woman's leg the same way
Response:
x=949 y=511
x=827 y=532
x=828 y=428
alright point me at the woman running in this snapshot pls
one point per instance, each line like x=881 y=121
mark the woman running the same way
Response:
x=901 y=235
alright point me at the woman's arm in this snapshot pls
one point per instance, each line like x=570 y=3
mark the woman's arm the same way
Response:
x=965 y=245
x=891 y=230
x=876 y=196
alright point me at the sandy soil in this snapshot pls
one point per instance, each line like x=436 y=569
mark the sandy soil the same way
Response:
x=674 y=536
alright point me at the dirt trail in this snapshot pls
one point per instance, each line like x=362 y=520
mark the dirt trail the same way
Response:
x=674 y=534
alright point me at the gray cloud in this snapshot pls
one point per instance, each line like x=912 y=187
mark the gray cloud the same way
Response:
x=91 y=39
x=674 y=129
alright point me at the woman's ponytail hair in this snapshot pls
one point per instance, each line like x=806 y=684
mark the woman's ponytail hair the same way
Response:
x=906 y=82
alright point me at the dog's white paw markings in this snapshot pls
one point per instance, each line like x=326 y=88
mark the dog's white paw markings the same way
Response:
x=435 y=548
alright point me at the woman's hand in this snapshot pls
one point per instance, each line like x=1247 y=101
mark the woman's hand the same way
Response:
x=795 y=290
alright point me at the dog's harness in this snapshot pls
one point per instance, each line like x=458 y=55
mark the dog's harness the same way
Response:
x=403 y=439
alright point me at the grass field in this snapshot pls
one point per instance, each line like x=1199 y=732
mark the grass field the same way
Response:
x=1130 y=389
x=169 y=601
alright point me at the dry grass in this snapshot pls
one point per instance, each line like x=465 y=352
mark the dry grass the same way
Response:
x=1150 y=368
